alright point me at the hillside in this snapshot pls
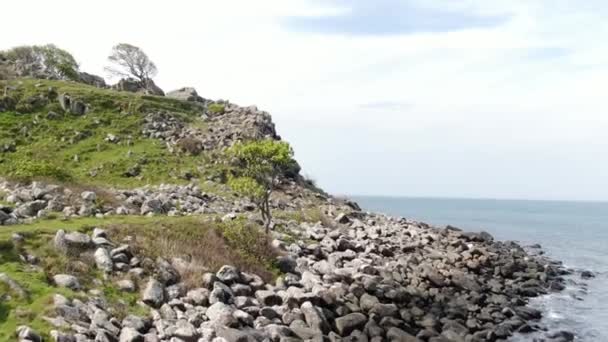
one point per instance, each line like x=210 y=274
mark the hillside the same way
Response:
x=119 y=225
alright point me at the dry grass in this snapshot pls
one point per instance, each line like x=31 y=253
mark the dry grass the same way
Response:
x=204 y=245
x=310 y=215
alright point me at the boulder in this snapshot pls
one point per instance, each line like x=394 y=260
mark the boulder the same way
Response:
x=129 y=334
x=154 y=293
x=103 y=260
x=229 y=274
x=314 y=318
x=186 y=94
x=67 y=281
x=347 y=324
x=26 y=333
x=222 y=314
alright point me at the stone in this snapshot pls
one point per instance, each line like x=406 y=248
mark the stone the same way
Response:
x=153 y=293
x=221 y=293
x=141 y=325
x=88 y=196
x=185 y=94
x=166 y=273
x=72 y=243
x=268 y=298
x=67 y=281
x=126 y=285
x=347 y=324
x=152 y=206
x=342 y=218
x=198 y=296
x=314 y=318
x=222 y=314
x=228 y=275
x=103 y=260
x=286 y=264
x=26 y=333
x=185 y=331
x=129 y=334
x=398 y=335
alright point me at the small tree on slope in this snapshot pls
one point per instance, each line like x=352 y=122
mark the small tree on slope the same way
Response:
x=258 y=168
x=131 y=61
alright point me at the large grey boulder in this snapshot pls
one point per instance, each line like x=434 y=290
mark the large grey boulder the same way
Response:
x=135 y=86
x=314 y=317
x=103 y=260
x=90 y=79
x=185 y=94
x=346 y=324
x=129 y=334
x=222 y=314
x=71 y=243
x=221 y=293
x=268 y=298
x=67 y=281
x=154 y=293
x=151 y=206
x=70 y=105
x=30 y=209
x=229 y=274
x=185 y=331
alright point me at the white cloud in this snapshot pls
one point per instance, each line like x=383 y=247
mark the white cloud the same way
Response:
x=469 y=95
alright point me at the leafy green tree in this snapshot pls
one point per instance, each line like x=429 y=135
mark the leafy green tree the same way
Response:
x=43 y=61
x=131 y=61
x=258 y=167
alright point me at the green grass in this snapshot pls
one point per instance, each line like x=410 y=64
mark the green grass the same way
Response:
x=216 y=108
x=73 y=148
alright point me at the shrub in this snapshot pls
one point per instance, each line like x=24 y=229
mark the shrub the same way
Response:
x=46 y=60
x=216 y=108
x=28 y=170
x=259 y=165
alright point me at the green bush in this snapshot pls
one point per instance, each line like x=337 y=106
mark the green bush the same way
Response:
x=28 y=170
x=216 y=108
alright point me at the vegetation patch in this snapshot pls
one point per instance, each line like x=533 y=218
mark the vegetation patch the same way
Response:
x=207 y=244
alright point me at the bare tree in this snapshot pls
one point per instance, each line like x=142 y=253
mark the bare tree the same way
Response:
x=131 y=61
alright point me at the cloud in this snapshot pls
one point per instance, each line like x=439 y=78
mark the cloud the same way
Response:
x=470 y=108
x=390 y=17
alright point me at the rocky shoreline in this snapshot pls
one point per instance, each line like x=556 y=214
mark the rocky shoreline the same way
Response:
x=369 y=278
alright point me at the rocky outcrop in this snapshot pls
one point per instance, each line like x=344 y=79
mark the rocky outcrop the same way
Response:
x=186 y=94
x=90 y=79
x=134 y=86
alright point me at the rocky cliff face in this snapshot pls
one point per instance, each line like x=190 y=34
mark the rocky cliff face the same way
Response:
x=144 y=242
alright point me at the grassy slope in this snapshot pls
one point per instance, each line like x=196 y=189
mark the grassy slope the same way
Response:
x=45 y=148
x=206 y=239
x=47 y=144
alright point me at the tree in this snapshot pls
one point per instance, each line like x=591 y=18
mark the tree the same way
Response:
x=258 y=167
x=130 y=61
x=46 y=61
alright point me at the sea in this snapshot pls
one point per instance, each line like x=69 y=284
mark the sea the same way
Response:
x=575 y=233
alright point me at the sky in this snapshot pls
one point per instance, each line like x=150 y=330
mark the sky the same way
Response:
x=440 y=98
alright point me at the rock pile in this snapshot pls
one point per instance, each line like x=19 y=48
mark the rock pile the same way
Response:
x=373 y=278
x=38 y=200
x=230 y=124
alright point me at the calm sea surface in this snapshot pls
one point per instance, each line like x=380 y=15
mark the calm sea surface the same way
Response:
x=574 y=232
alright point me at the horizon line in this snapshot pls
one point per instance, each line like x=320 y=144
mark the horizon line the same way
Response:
x=474 y=198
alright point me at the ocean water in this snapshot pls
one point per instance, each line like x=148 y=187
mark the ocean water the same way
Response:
x=575 y=233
